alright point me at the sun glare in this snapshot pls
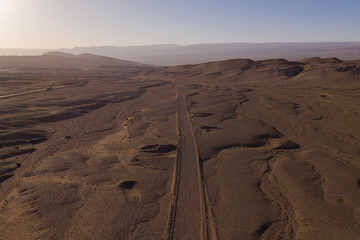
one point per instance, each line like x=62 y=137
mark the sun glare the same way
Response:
x=6 y=7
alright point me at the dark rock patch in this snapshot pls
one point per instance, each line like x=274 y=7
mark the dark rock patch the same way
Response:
x=38 y=140
x=17 y=152
x=128 y=184
x=346 y=68
x=288 y=145
x=209 y=128
x=5 y=177
x=292 y=71
x=262 y=229
x=203 y=114
x=158 y=148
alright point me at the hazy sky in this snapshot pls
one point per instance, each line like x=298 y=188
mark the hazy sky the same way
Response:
x=70 y=23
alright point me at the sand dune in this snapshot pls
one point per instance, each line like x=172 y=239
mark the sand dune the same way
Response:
x=238 y=149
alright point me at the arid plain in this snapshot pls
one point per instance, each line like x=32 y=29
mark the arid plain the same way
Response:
x=237 y=149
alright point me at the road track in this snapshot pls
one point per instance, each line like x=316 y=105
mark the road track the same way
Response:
x=189 y=212
x=38 y=90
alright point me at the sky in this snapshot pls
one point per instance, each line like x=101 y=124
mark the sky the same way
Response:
x=71 y=23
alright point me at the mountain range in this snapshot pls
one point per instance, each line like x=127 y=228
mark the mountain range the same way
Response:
x=172 y=54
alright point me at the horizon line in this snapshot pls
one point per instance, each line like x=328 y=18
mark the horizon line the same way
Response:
x=185 y=45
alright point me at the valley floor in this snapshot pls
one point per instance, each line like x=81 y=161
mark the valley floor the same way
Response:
x=189 y=152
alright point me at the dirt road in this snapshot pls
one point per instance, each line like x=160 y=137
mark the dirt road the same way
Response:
x=38 y=90
x=188 y=216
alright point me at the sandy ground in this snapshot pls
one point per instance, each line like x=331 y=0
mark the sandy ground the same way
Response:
x=228 y=150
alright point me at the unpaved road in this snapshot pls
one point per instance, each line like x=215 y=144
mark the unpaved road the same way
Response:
x=188 y=217
x=37 y=90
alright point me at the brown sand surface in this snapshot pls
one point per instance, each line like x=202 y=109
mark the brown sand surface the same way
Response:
x=225 y=150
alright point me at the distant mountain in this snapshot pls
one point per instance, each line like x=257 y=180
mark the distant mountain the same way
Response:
x=306 y=72
x=172 y=54
x=60 y=54
x=176 y=55
x=58 y=59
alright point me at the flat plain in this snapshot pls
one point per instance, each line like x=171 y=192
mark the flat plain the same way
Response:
x=237 y=149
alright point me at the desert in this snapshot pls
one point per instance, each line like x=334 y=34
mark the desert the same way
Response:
x=100 y=148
